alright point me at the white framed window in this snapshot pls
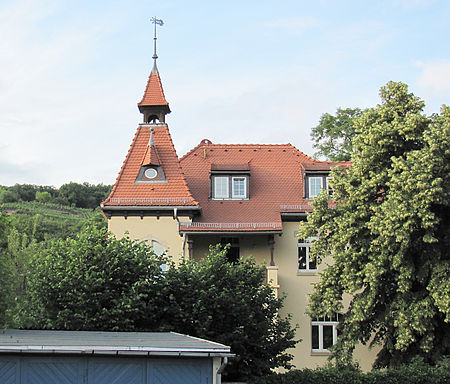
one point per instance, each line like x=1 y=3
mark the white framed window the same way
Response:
x=305 y=264
x=324 y=332
x=330 y=190
x=229 y=187
x=221 y=190
x=315 y=186
x=239 y=190
x=159 y=250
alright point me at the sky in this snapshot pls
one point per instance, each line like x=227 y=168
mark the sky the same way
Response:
x=72 y=73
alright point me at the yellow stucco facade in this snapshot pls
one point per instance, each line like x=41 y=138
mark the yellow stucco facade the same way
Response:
x=163 y=230
x=284 y=276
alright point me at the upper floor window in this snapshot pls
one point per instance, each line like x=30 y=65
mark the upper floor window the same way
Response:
x=239 y=190
x=315 y=186
x=324 y=332
x=229 y=187
x=305 y=263
x=330 y=190
x=221 y=190
x=315 y=183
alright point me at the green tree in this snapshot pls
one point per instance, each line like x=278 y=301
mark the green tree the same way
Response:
x=389 y=234
x=96 y=282
x=92 y=282
x=6 y=272
x=231 y=304
x=43 y=197
x=334 y=135
x=83 y=195
x=8 y=196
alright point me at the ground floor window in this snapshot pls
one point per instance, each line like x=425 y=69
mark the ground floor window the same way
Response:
x=324 y=332
x=159 y=250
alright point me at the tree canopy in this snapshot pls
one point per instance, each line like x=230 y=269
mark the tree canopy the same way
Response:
x=388 y=235
x=333 y=136
x=83 y=195
x=98 y=282
x=6 y=272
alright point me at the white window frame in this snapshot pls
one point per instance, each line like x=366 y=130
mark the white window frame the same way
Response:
x=218 y=196
x=159 y=250
x=306 y=243
x=320 y=323
x=310 y=178
x=233 y=195
x=330 y=191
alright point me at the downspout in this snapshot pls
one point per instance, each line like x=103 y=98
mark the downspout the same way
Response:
x=220 y=370
x=184 y=246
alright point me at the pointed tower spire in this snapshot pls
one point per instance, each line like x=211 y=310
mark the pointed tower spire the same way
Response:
x=154 y=105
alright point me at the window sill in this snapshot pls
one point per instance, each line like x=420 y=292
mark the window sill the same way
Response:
x=307 y=272
x=228 y=199
x=320 y=353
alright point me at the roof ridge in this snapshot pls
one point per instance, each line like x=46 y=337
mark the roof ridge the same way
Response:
x=300 y=152
x=210 y=144
x=247 y=144
x=192 y=150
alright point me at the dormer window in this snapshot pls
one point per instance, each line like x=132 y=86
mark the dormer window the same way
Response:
x=221 y=187
x=229 y=187
x=314 y=183
x=151 y=174
x=230 y=181
x=239 y=187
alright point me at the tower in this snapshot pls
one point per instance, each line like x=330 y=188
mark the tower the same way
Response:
x=154 y=105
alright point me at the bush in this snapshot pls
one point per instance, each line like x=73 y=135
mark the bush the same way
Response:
x=417 y=372
x=43 y=197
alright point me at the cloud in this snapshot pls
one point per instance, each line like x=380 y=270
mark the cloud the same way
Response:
x=435 y=75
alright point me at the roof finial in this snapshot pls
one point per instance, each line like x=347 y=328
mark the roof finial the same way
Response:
x=155 y=56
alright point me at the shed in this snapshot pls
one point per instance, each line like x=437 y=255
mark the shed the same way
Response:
x=87 y=357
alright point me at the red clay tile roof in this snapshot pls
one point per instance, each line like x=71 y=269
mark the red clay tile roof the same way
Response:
x=325 y=165
x=276 y=185
x=154 y=94
x=173 y=192
x=230 y=167
x=151 y=156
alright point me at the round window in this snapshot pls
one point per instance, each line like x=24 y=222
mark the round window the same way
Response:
x=150 y=173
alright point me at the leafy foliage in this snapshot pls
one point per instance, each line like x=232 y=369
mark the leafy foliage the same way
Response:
x=415 y=373
x=6 y=272
x=42 y=221
x=33 y=220
x=231 y=304
x=83 y=195
x=92 y=282
x=97 y=282
x=388 y=235
x=334 y=135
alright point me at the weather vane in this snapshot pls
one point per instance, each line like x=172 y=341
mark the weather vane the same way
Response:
x=160 y=23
